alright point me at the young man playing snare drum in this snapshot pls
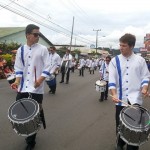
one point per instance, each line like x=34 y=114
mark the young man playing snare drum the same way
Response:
x=104 y=73
x=31 y=68
x=128 y=80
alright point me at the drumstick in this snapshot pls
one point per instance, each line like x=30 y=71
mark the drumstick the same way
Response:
x=35 y=72
x=123 y=102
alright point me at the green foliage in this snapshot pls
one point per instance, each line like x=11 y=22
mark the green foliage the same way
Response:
x=7 y=57
x=8 y=47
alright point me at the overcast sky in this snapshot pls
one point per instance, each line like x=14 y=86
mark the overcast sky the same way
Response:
x=55 y=17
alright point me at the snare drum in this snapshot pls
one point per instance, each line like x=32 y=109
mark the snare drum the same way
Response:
x=100 y=86
x=11 y=79
x=25 y=117
x=134 y=126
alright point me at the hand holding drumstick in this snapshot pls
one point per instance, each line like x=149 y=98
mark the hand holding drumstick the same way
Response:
x=118 y=100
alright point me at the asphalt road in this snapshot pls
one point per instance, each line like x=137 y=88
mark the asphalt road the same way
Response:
x=75 y=119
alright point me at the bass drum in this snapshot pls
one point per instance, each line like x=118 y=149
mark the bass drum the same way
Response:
x=25 y=117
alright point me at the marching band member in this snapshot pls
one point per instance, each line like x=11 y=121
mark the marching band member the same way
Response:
x=66 y=66
x=73 y=64
x=92 y=65
x=104 y=73
x=81 y=66
x=55 y=64
x=128 y=80
x=31 y=68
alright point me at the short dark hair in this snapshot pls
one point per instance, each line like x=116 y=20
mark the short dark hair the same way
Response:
x=129 y=39
x=108 y=57
x=30 y=28
x=53 y=47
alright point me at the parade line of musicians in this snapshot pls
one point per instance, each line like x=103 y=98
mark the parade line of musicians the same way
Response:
x=126 y=75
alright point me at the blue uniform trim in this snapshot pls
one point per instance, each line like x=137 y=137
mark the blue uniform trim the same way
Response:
x=103 y=71
x=22 y=82
x=111 y=84
x=22 y=55
x=144 y=82
x=46 y=72
x=19 y=72
x=120 y=79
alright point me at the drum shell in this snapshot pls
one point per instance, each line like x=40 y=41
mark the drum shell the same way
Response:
x=25 y=127
x=131 y=135
x=99 y=87
x=11 y=79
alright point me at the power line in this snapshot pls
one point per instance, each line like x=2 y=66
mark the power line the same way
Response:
x=41 y=23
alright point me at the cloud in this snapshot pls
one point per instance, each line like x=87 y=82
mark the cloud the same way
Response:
x=114 y=18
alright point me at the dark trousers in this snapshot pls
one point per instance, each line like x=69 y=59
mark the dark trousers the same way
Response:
x=39 y=98
x=104 y=95
x=91 y=71
x=81 y=71
x=67 y=75
x=73 y=68
x=120 y=142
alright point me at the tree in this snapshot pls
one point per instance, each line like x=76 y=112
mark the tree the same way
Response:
x=8 y=47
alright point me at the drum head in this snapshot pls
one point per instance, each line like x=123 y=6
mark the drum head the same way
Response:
x=23 y=110
x=100 y=82
x=11 y=77
x=135 y=118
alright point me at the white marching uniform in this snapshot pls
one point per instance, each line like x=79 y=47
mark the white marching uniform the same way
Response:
x=25 y=67
x=69 y=58
x=54 y=62
x=104 y=71
x=133 y=75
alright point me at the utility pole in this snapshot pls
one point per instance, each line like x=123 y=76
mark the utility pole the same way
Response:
x=96 y=37
x=72 y=33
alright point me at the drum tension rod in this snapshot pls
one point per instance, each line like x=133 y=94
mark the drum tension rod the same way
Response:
x=128 y=115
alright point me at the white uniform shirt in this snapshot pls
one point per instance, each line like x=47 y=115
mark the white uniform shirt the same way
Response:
x=67 y=57
x=87 y=62
x=104 y=71
x=134 y=74
x=33 y=57
x=54 y=62
x=82 y=62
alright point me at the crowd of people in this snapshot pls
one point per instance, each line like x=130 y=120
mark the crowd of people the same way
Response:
x=119 y=73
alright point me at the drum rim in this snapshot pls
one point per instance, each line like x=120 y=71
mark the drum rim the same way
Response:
x=27 y=120
x=131 y=143
x=145 y=128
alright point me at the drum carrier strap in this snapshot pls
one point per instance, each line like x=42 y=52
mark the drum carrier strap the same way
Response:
x=120 y=78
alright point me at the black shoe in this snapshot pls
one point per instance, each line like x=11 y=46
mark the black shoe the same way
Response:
x=106 y=98
x=61 y=81
x=67 y=82
x=53 y=93
x=30 y=147
x=50 y=91
x=100 y=100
